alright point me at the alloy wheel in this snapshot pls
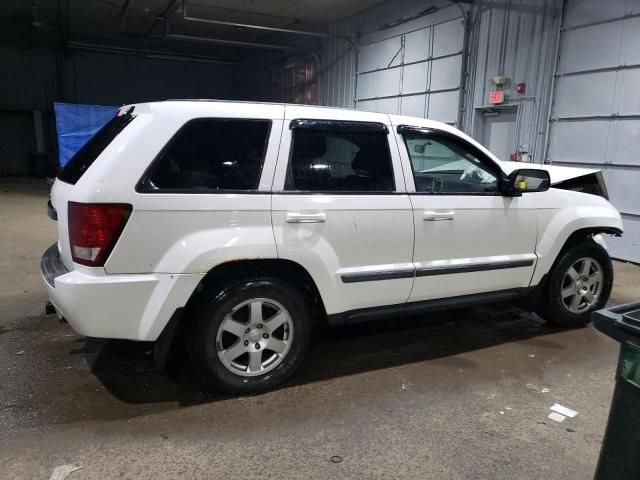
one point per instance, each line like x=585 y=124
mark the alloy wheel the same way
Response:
x=582 y=285
x=254 y=337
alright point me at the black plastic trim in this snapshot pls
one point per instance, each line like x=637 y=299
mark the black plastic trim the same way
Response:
x=480 y=267
x=164 y=343
x=413 y=308
x=51 y=264
x=338 y=126
x=52 y=213
x=339 y=192
x=616 y=323
x=380 y=275
x=459 y=194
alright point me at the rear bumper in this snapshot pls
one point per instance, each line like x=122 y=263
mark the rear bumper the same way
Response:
x=96 y=304
x=51 y=264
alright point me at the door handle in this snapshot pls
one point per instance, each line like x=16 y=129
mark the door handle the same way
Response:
x=438 y=216
x=310 y=217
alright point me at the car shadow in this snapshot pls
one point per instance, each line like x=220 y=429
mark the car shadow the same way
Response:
x=126 y=368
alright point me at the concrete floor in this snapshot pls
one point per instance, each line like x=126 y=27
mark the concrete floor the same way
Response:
x=464 y=395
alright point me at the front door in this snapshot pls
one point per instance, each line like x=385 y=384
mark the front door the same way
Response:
x=340 y=209
x=469 y=239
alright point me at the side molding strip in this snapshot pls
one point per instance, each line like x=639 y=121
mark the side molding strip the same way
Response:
x=478 y=267
x=430 y=271
x=381 y=275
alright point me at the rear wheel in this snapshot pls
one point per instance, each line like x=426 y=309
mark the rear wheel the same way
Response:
x=579 y=283
x=250 y=337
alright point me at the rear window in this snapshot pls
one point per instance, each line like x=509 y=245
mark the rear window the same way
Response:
x=91 y=150
x=210 y=155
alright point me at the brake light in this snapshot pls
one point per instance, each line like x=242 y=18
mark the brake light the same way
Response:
x=94 y=229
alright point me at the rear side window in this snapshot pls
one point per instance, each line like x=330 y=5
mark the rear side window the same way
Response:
x=82 y=160
x=339 y=161
x=210 y=155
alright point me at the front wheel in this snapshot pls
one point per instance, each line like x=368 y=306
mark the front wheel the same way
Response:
x=579 y=283
x=251 y=336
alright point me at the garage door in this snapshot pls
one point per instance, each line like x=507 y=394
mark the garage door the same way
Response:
x=416 y=73
x=596 y=112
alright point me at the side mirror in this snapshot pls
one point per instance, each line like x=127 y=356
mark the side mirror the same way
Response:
x=525 y=180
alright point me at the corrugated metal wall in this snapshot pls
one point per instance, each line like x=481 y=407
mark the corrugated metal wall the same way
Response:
x=514 y=38
x=517 y=39
x=338 y=75
x=596 y=114
x=416 y=71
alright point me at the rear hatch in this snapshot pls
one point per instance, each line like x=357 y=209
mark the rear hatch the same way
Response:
x=63 y=188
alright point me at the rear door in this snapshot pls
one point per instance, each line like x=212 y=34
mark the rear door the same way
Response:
x=340 y=208
x=469 y=239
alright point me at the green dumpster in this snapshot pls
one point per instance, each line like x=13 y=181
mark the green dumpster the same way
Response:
x=620 y=452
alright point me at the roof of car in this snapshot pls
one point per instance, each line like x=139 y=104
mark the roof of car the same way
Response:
x=395 y=119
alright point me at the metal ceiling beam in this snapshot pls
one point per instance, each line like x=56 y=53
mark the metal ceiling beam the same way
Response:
x=94 y=47
x=251 y=26
x=162 y=16
x=123 y=10
x=235 y=43
x=255 y=27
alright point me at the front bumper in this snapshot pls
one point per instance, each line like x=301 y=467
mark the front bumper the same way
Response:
x=131 y=306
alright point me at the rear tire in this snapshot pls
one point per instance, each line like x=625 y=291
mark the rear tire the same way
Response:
x=579 y=282
x=251 y=336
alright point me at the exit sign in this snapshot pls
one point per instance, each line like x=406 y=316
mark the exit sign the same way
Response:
x=496 y=96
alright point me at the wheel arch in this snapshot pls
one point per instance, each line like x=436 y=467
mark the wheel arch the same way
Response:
x=229 y=272
x=286 y=270
x=548 y=257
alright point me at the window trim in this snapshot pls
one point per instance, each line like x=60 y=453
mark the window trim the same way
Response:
x=143 y=189
x=323 y=125
x=436 y=133
x=338 y=126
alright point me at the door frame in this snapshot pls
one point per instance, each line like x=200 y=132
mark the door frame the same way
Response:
x=479 y=125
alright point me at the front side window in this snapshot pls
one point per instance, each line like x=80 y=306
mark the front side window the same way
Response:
x=442 y=166
x=339 y=161
x=209 y=155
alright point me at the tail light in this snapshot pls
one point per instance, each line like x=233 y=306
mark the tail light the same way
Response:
x=94 y=229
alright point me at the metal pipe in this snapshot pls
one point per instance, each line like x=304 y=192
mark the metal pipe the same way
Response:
x=235 y=43
x=247 y=25
x=151 y=53
x=466 y=19
x=552 y=89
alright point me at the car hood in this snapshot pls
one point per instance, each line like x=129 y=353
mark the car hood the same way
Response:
x=556 y=172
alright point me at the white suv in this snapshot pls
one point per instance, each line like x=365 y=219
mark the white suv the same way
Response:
x=237 y=226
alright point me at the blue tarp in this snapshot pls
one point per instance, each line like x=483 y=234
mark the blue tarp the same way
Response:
x=76 y=124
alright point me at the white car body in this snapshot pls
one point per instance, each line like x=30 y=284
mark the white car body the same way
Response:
x=171 y=241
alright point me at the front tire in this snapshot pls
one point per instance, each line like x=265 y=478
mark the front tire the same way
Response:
x=251 y=336
x=579 y=283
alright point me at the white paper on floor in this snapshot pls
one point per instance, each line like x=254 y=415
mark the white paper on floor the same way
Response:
x=567 y=412
x=556 y=416
x=63 y=471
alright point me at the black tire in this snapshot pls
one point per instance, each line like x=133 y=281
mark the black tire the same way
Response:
x=551 y=306
x=212 y=309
